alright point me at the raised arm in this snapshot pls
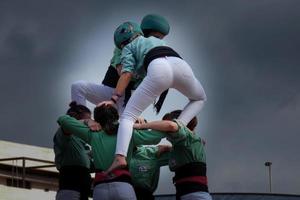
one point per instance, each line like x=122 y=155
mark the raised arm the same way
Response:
x=128 y=68
x=71 y=125
x=163 y=154
x=163 y=125
x=128 y=65
x=163 y=149
x=123 y=82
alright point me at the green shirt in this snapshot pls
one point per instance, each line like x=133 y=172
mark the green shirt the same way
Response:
x=103 y=145
x=145 y=167
x=187 y=147
x=70 y=151
x=133 y=55
x=116 y=59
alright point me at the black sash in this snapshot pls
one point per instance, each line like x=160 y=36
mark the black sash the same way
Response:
x=158 y=52
x=111 y=79
x=75 y=178
x=188 y=170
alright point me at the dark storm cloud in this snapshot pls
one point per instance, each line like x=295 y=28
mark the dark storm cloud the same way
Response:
x=254 y=54
x=34 y=42
x=244 y=52
x=37 y=39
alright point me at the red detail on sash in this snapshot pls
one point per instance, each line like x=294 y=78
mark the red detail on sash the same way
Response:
x=194 y=179
x=102 y=177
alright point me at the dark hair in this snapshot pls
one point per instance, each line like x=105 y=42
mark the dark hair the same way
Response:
x=77 y=111
x=147 y=32
x=152 y=32
x=107 y=116
x=175 y=114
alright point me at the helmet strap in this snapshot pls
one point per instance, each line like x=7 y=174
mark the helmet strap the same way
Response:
x=123 y=44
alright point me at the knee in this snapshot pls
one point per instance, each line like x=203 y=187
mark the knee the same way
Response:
x=128 y=117
x=78 y=86
x=201 y=96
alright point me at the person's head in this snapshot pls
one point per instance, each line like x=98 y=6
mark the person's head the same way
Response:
x=175 y=114
x=155 y=25
x=78 y=111
x=107 y=116
x=126 y=33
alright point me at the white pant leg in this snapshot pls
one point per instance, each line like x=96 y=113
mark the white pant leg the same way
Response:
x=152 y=86
x=123 y=191
x=101 y=192
x=67 y=195
x=114 y=190
x=81 y=91
x=196 y=196
x=163 y=73
x=186 y=83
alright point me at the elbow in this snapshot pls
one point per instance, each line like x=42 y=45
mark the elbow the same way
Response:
x=172 y=127
x=60 y=120
x=204 y=97
x=127 y=75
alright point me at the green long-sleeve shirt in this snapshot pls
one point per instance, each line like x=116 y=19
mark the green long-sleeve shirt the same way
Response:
x=145 y=167
x=116 y=59
x=133 y=55
x=187 y=147
x=103 y=144
x=70 y=151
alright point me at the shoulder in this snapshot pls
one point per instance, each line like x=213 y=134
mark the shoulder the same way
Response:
x=181 y=134
x=59 y=135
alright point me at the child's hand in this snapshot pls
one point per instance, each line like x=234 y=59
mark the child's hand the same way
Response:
x=137 y=126
x=107 y=103
x=140 y=120
x=139 y=123
x=94 y=126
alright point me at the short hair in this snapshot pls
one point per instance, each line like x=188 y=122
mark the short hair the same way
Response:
x=77 y=111
x=175 y=114
x=107 y=116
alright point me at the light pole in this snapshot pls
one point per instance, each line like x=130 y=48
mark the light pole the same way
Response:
x=268 y=164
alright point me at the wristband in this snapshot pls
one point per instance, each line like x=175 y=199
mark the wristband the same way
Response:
x=118 y=95
x=113 y=100
x=86 y=122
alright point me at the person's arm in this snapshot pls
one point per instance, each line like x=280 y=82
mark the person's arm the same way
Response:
x=163 y=154
x=163 y=125
x=122 y=84
x=71 y=125
x=119 y=69
x=119 y=90
x=116 y=60
x=93 y=125
x=147 y=137
x=175 y=132
x=163 y=149
x=128 y=68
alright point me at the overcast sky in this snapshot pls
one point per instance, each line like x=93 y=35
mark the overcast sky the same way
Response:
x=245 y=53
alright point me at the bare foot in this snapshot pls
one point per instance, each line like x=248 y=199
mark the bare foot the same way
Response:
x=119 y=162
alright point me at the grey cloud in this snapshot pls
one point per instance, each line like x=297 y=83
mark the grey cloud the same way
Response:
x=247 y=53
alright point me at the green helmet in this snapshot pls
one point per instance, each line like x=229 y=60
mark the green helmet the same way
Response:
x=154 y=22
x=125 y=33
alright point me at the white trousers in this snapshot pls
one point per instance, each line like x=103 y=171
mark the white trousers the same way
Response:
x=196 y=196
x=114 y=191
x=82 y=91
x=67 y=195
x=163 y=73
